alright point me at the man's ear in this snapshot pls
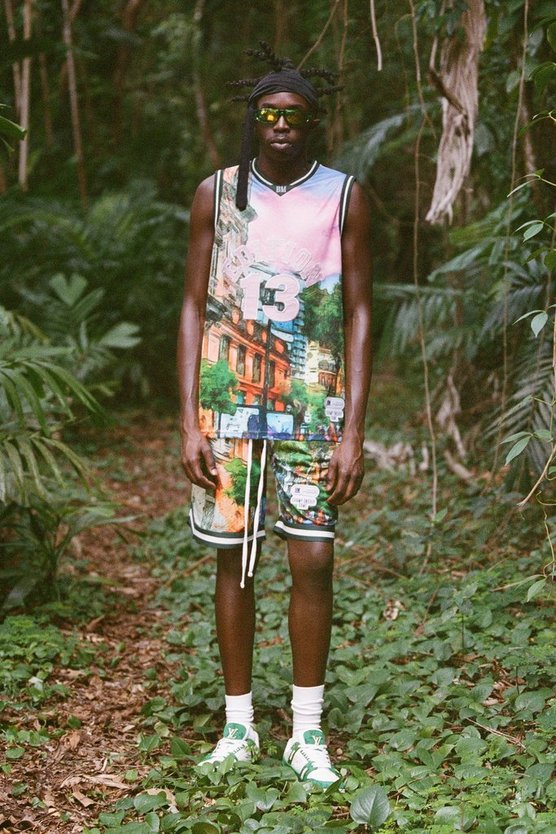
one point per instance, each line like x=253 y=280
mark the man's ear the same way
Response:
x=315 y=123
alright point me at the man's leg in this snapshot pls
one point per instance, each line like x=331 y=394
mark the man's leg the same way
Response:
x=235 y=622
x=235 y=630
x=310 y=613
x=310 y=621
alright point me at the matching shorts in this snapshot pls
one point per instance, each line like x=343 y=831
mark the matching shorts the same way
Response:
x=233 y=514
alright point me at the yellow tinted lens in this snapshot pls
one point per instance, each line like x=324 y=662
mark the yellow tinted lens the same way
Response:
x=268 y=115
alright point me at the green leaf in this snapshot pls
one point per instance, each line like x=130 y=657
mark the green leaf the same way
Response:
x=122 y=335
x=530 y=702
x=535 y=589
x=533 y=230
x=130 y=828
x=370 y=807
x=179 y=748
x=15 y=752
x=205 y=828
x=543 y=434
x=69 y=290
x=550 y=259
x=517 y=449
x=513 y=437
x=153 y=821
x=448 y=815
x=11 y=129
x=538 y=322
x=543 y=75
x=144 y=802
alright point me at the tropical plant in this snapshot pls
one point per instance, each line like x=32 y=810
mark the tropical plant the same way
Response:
x=34 y=538
x=41 y=508
x=129 y=249
x=76 y=320
x=38 y=396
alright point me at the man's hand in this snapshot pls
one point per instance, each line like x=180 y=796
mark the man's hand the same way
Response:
x=345 y=471
x=197 y=459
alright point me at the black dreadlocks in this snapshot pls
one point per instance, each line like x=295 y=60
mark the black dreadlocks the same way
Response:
x=283 y=77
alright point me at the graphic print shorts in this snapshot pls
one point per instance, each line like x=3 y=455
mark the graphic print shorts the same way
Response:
x=300 y=469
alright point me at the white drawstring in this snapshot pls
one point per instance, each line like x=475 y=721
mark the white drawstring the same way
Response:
x=260 y=488
x=245 y=548
x=248 y=562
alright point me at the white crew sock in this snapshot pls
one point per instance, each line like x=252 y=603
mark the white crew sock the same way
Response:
x=307 y=704
x=239 y=709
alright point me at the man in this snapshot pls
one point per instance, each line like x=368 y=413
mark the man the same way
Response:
x=278 y=271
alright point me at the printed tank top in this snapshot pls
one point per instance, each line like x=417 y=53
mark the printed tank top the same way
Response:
x=272 y=363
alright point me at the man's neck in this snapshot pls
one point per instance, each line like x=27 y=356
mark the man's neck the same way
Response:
x=282 y=174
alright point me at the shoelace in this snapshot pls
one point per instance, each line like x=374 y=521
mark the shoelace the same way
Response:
x=318 y=755
x=228 y=745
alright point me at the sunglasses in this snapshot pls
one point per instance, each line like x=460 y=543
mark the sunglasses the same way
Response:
x=293 y=116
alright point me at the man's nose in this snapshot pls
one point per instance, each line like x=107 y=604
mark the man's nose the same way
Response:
x=282 y=124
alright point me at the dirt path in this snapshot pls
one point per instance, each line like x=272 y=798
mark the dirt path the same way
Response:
x=81 y=772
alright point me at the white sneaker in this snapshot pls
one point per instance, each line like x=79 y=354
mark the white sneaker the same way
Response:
x=307 y=755
x=240 y=741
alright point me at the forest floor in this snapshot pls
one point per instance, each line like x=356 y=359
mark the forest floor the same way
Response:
x=74 y=768
x=441 y=682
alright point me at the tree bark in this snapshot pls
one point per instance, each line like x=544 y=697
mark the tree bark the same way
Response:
x=200 y=101
x=16 y=69
x=47 y=114
x=282 y=9
x=128 y=17
x=74 y=106
x=457 y=81
x=25 y=101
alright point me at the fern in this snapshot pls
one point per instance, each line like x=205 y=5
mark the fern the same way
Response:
x=38 y=396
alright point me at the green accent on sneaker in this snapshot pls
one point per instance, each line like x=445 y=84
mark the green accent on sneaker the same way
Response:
x=313 y=737
x=239 y=742
x=309 y=755
x=237 y=731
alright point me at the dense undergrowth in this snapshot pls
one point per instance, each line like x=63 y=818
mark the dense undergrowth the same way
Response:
x=440 y=690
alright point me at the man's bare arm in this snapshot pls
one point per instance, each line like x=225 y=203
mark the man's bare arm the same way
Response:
x=347 y=465
x=196 y=454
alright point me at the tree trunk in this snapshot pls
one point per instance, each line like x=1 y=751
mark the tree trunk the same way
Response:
x=457 y=82
x=25 y=101
x=74 y=106
x=16 y=69
x=200 y=102
x=282 y=9
x=128 y=17
x=45 y=90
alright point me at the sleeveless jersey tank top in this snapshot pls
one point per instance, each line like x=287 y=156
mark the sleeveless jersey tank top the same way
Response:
x=272 y=363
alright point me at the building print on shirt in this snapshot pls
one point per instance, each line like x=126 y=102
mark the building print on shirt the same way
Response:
x=272 y=358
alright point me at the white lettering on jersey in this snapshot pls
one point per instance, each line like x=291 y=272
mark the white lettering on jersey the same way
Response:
x=286 y=301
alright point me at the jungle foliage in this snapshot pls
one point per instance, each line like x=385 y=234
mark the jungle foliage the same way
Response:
x=124 y=109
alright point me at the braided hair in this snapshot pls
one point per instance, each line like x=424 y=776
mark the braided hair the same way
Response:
x=283 y=77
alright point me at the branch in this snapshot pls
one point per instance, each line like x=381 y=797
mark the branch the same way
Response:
x=319 y=40
x=376 y=37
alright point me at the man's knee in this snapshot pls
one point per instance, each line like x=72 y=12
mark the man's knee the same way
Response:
x=229 y=564
x=311 y=565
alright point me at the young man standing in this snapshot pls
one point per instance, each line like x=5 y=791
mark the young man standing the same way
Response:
x=274 y=356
